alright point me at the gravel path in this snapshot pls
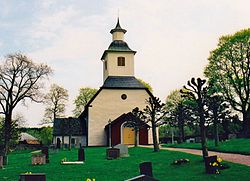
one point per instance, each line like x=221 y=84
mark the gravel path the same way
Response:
x=235 y=158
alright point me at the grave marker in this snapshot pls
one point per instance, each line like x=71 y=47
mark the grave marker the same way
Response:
x=123 y=150
x=146 y=169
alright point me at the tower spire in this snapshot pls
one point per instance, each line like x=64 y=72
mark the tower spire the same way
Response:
x=118 y=27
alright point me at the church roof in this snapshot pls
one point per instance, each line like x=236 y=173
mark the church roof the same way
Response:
x=122 y=82
x=117 y=46
x=118 y=28
x=69 y=126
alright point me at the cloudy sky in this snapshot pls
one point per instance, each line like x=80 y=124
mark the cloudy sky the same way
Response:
x=172 y=38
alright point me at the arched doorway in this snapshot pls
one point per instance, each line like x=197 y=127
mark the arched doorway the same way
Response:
x=128 y=135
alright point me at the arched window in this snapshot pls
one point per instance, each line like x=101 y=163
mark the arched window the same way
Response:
x=121 y=61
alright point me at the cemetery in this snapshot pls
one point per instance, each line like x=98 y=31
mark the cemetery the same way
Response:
x=121 y=127
x=140 y=161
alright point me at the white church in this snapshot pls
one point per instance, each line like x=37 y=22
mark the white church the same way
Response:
x=103 y=121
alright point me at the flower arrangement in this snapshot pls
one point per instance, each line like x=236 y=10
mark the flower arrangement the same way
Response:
x=217 y=166
x=181 y=161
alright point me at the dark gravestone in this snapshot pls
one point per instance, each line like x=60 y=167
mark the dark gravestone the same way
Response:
x=146 y=169
x=81 y=155
x=45 y=150
x=58 y=143
x=112 y=153
x=142 y=178
x=1 y=162
x=209 y=161
x=33 y=177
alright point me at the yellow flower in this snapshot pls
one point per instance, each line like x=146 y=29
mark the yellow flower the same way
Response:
x=219 y=159
x=215 y=164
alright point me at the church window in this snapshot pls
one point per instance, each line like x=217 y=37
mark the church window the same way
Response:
x=121 y=61
x=124 y=96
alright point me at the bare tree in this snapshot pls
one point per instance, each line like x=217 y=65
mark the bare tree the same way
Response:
x=19 y=80
x=55 y=100
x=197 y=90
x=153 y=113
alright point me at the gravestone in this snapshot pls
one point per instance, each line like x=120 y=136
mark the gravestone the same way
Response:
x=81 y=155
x=112 y=153
x=142 y=178
x=1 y=162
x=33 y=177
x=45 y=150
x=146 y=169
x=209 y=160
x=123 y=150
x=38 y=159
x=58 y=143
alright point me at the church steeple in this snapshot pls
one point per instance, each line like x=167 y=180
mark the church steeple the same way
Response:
x=118 y=59
x=118 y=32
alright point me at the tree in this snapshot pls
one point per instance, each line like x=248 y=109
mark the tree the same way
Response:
x=197 y=90
x=153 y=113
x=55 y=101
x=147 y=85
x=229 y=71
x=20 y=79
x=85 y=94
x=177 y=113
x=46 y=135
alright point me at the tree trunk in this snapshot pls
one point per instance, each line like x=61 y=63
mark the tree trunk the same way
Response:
x=181 y=130
x=62 y=141
x=216 y=131
x=202 y=129
x=156 y=145
x=136 y=140
x=246 y=123
x=70 y=142
x=7 y=136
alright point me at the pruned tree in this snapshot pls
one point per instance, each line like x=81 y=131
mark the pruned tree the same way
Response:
x=20 y=79
x=229 y=71
x=197 y=90
x=55 y=102
x=85 y=95
x=153 y=114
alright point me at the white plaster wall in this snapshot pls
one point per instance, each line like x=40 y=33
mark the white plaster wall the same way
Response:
x=114 y=70
x=109 y=105
x=118 y=36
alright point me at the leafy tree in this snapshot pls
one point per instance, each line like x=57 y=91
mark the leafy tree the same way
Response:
x=46 y=135
x=55 y=100
x=197 y=90
x=85 y=94
x=177 y=112
x=147 y=85
x=153 y=113
x=20 y=79
x=229 y=71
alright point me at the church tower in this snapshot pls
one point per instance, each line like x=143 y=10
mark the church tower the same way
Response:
x=118 y=59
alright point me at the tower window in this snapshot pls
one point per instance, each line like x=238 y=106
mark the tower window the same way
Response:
x=121 y=61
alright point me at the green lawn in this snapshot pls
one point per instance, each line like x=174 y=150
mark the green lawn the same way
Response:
x=100 y=169
x=241 y=146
